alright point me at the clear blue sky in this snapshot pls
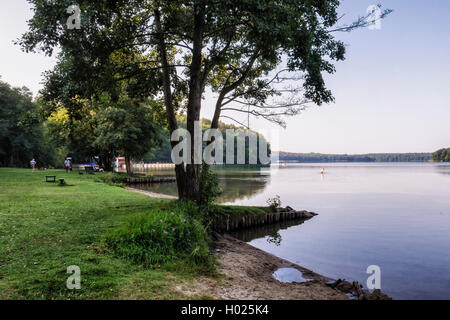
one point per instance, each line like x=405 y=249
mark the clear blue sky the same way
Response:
x=392 y=92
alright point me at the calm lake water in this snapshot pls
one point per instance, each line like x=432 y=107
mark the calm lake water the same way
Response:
x=394 y=215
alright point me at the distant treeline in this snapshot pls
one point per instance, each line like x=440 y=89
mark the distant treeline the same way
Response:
x=442 y=155
x=370 y=157
x=163 y=153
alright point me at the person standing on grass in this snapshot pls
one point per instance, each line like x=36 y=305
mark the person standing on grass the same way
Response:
x=32 y=165
x=67 y=164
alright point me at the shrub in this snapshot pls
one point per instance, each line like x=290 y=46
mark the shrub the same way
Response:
x=160 y=237
x=210 y=189
x=192 y=210
x=274 y=203
x=115 y=177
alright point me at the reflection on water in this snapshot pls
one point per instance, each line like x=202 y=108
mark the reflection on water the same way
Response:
x=442 y=168
x=270 y=232
x=236 y=184
x=394 y=215
x=241 y=188
x=289 y=275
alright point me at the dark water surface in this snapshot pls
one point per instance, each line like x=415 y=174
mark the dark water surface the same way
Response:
x=394 y=215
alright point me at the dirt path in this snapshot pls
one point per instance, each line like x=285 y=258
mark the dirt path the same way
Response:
x=248 y=275
x=151 y=194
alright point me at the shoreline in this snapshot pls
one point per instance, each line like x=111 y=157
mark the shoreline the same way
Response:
x=151 y=194
x=243 y=272
x=248 y=274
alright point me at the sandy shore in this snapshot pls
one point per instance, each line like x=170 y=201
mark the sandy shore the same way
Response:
x=247 y=274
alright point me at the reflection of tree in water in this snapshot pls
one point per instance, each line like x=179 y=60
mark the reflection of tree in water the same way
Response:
x=443 y=169
x=274 y=238
x=236 y=184
x=270 y=231
x=241 y=188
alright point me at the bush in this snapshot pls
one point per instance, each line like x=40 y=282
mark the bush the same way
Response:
x=210 y=189
x=193 y=211
x=116 y=177
x=160 y=237
x=274 y=203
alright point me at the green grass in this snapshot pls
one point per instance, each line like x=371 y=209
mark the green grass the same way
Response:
x=162 y=237
x=45 y=227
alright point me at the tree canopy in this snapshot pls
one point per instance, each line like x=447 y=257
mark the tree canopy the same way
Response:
x=107 y=129
x=262 y=57
x=21 y=131
x=442 y=155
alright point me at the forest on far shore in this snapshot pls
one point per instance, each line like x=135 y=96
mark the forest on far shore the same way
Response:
x=442 y=155
x=370 y=157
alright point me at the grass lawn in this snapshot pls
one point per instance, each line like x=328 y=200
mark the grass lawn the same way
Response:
x=44 y=228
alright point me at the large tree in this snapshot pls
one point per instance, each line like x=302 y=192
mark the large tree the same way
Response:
x=127 y=127
x=185 y=46
x=106 y=128
x=21 y=131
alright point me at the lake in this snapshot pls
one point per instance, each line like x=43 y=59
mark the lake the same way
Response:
x=393 y=215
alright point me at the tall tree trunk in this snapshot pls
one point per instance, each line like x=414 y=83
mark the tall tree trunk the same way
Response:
x=168 y=101
x=107 y=164
x=194 y=106
x=106 y=161
x=187 y=181
x=128 y=164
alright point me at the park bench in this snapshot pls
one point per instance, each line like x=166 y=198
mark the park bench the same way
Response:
x=50 y=178
x=89 y=169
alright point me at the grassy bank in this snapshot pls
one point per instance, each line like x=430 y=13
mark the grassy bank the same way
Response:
x=127 y=245
x=44 y=228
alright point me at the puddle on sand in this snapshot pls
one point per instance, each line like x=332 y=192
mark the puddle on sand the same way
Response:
x=289 y=275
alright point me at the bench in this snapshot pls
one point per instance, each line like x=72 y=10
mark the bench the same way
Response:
x=50 y=178
x=89 y=169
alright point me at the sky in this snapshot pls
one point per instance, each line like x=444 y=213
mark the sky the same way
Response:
x=392 y=93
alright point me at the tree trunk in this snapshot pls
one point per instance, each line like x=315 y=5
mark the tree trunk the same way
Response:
x=107 y=165
x=106 y=162
x=194 y=107
x=180 y=174
x=168 y=101
x=128 y=164
x=187 y=181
